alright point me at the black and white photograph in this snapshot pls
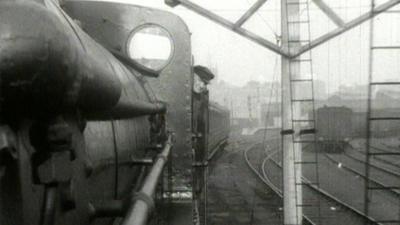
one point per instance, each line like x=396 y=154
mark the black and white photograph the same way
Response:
x=199 y=112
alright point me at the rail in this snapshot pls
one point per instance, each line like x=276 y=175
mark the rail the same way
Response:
x=351 y=170
x=265 y=181
x=373 y=165
x=385 y=160
x=306 y=182
x=333 y=198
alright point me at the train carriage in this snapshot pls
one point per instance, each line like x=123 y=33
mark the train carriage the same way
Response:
x=219 y=126
x=211 y=127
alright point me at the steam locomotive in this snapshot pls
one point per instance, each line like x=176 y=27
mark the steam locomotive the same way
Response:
x=90 y=115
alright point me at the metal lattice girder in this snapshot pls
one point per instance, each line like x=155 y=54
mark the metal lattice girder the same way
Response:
x=343 y=27
x=250 y=13
x=347 y=26
x=228 y=24
x=329 y=12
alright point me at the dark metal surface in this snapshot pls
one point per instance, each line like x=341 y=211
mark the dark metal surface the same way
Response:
x=80 y=123
x=50 y=68
x=29 y=47
x=82 y=74
x=112 y=25
x=219 y=125
x=200 y=139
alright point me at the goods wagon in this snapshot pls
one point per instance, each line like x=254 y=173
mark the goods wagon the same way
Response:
x=334 y=128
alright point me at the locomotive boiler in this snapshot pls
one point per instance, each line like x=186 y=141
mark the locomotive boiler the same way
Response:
x=87 y=112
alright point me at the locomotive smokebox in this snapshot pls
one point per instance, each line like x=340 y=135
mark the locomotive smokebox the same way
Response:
x=46 y=67
x=36 y=62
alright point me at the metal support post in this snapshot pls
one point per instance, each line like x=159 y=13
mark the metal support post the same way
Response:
x=292 y=193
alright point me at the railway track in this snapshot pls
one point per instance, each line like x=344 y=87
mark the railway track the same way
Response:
x=346 y=198
x=388 y=160
x=266 y=181
x=358 y=173
x=386 y=199
x=327 y=199
x=382 y=168
x=354 y=215
x=236 y=199
x=391 y=161
x=381 y=175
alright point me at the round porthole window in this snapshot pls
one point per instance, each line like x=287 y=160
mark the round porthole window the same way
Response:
x=151 y=46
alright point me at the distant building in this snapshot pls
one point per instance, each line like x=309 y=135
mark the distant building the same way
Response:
x=245 y=102
x=249 y=103
x=270 y=114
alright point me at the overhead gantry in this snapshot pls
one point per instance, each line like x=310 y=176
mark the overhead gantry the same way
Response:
x=237 y=26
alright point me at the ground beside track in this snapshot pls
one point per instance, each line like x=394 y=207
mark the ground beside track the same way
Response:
x=346 y=186
x=236 y=196
x=332 y=213
x=234 y=191
x=381 y=145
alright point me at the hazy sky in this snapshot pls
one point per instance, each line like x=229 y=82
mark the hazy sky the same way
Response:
x=341 y=61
